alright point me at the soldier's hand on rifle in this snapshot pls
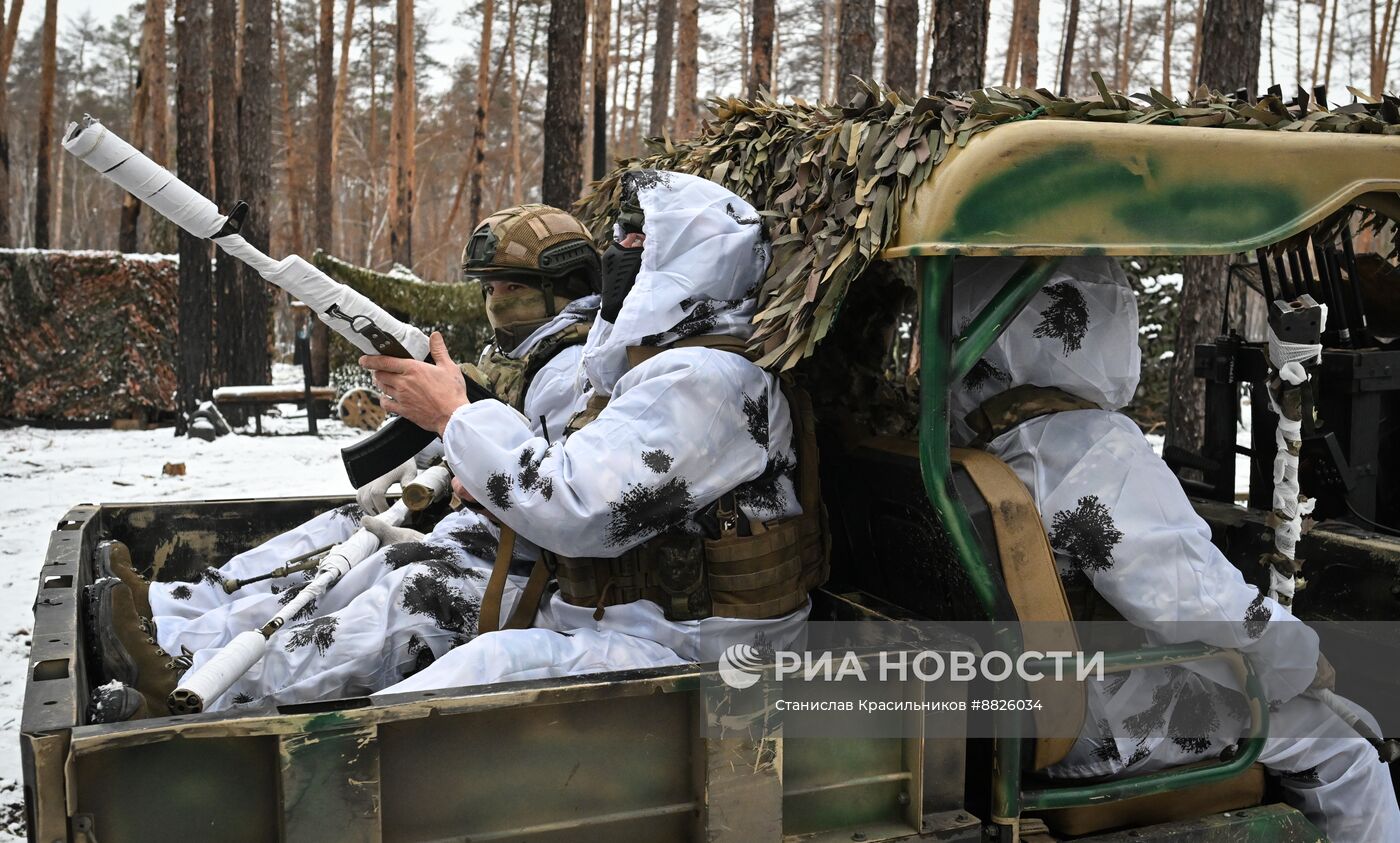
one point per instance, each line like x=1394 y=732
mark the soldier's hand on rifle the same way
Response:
x=423 y=393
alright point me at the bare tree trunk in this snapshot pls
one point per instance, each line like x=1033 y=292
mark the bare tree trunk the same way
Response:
x=1029 y=49
x=855 y=52
x=901 y=45
x=1331 y=44
x=160 y=232
x=7 y=49
x=1230 y=48
x=131 y=206
x=828 y=27
x=1317 y=48
x=255 y=183
x=342 y=81
x=485 y=91
x=1167 y=26
x=227 y=288
x=959 y=45
x=687 y=68
x=634 y=113
x=404 y=125
x=289 y=138
x=563 y=140
x=517 y=186
x=602 y=24
x=1195 y=80
x=661 y=66
x=619 y=62
x=1067 y=58
x=1125 y=51
x=48 y=70
x=1013 y=43
x=925 y=45
x=192 y=130
x=476 y=160
x=324 y=208
x=143 y=115
x=760 y=46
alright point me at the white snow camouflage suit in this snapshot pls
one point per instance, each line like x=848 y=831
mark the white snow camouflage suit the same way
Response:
x=1116 y=515
x=441 y=576
x=679 y=431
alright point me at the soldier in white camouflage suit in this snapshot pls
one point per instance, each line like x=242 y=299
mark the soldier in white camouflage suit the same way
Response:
x=1044 y=399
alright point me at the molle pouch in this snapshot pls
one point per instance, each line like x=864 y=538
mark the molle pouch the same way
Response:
x=679 y=560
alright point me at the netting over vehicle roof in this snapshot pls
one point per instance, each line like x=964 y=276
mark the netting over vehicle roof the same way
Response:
x=830 y=180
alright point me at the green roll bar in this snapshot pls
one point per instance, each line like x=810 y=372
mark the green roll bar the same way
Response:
x=944 y=359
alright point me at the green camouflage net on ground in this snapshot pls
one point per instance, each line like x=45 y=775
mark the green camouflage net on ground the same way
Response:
x=831 y=179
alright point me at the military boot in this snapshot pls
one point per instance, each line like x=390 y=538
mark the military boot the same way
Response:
x=126 y=645
x=114 y=560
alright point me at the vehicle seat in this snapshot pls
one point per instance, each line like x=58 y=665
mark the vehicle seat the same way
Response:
x=1033 y=582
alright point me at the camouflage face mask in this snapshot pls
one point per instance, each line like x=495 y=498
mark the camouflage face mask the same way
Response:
x=515 y=314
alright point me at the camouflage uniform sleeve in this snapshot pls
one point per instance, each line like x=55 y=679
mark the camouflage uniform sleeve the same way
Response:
x=673 y=439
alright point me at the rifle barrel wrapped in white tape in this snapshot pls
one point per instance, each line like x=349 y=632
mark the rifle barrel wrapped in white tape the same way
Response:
x=346 y=311
x=212 y=679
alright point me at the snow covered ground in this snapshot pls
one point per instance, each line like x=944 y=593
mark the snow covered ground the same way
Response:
x=44 y=472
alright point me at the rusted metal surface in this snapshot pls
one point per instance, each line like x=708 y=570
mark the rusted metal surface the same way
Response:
x=329 y=779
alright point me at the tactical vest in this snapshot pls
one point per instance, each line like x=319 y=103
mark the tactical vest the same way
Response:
x=744 y=569
x=509 y=378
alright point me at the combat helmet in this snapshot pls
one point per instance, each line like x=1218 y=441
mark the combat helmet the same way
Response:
x=534 y=244
x=539 y=246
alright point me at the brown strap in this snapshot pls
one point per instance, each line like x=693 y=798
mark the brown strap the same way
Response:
x=523 y=615
x=489 y=616
x=1018 y=405
x=1033 y=583
x=637 y=354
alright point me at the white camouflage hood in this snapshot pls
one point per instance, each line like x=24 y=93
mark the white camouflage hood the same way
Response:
x=1079 y=334
x=705 y=255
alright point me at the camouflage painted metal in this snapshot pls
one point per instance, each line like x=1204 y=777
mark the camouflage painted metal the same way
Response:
x=1066 y=187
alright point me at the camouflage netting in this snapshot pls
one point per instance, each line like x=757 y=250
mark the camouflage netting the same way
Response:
x=456 y=309
x=830 y=179
x=86 y=336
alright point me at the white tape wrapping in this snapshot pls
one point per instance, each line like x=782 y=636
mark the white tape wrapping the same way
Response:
x=220 y=672
x=437 y=481
x=143 y=178
x=119 y=161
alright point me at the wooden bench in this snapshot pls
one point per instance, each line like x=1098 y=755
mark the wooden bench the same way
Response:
x=258 y=397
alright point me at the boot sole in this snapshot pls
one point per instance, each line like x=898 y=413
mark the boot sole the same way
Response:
x=116 y=662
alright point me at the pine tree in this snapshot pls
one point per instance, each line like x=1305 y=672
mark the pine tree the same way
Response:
x=227 y=286
x=192 y=159
x=761 y=46
x=687 y=68
x=661 y=66
x=602 y=23
x=959 y=45
x=405 y=116
x=7 y=51
x=324 y=214
x=1231 y=36
x=901 y=40
x=563 y=136
x=43 y=189
x=255 y=184
x=855 y=52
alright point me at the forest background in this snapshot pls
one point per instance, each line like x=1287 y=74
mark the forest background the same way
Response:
x=381 y=150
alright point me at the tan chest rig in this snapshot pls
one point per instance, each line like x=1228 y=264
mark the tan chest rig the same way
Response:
x=750 y=570
x=509 y=378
